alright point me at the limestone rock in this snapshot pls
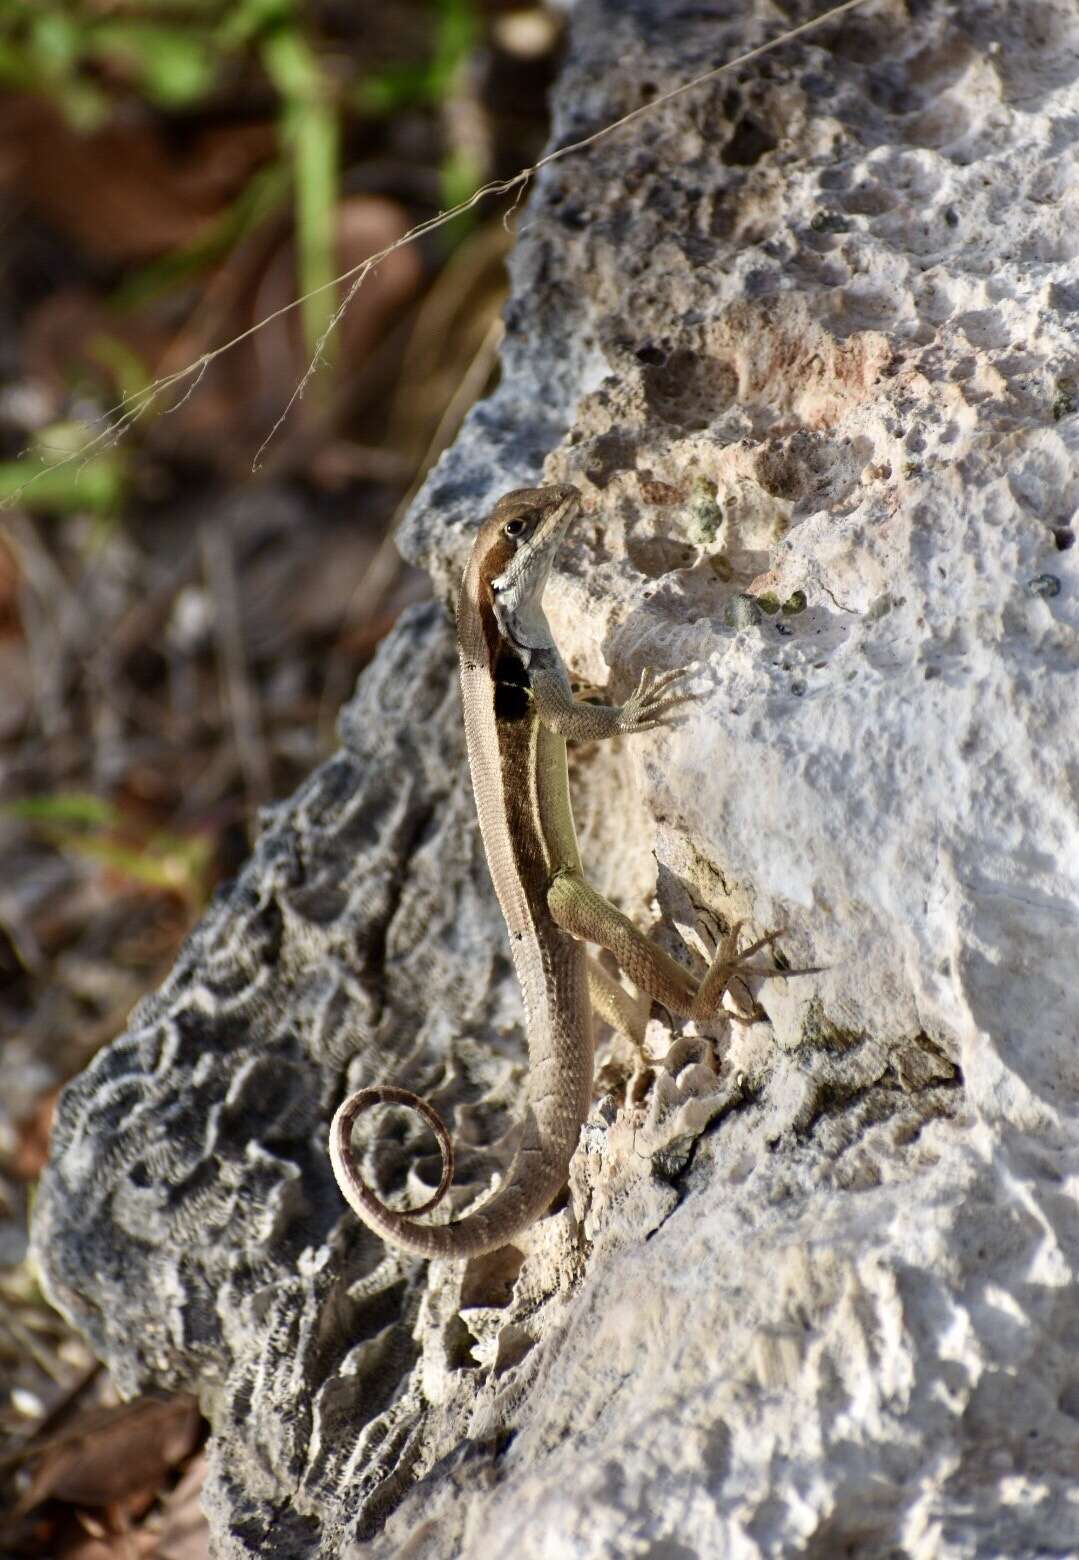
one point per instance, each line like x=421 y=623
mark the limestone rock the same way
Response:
x=805 y=337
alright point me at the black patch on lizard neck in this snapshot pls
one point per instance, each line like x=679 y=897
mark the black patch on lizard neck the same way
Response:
x=513 y=697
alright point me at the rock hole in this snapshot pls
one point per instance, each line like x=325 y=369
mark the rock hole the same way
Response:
x=749 y=142
x=489 y=1279
x=457 y=1342
x=655 y=556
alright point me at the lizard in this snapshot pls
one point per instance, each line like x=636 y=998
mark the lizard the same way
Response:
x=519 y=713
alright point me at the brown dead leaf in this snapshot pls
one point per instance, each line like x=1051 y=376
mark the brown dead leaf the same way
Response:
x=241 y=394
x=115 y=1546
x=366 y=224
x=114 y=1454
x=32 y=1139
x=10 y=581
x=185 y=1533
x=62 y=341
x=123 y=193
x=63 y=1534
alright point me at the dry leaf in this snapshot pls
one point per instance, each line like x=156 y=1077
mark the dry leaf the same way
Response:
x=122 y=193
x=32 y=1139
x=242 y=393
x=132 y=1545
x=113 y=1454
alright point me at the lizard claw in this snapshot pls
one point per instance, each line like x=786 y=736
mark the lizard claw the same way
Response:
x=729 y=965
x=653 y=699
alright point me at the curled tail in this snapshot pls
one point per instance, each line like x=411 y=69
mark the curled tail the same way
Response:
x=353 y=1187
x=528 y=1192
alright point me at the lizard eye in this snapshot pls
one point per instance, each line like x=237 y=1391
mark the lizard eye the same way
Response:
x=518 y=526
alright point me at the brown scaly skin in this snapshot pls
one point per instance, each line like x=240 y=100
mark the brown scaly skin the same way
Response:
x=519 y=711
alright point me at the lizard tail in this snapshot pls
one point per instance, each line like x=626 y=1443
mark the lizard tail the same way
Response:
x=524 y=1197
x=353 y=1187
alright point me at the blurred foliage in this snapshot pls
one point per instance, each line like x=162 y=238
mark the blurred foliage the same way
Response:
x=177 y=634
x=171 y=54
x=80 y=824
x=177 y=54
x=456 y=29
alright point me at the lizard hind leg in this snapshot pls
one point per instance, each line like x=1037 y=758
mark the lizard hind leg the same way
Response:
x=344 y=1166
x=626 y=1014
x=586 y=915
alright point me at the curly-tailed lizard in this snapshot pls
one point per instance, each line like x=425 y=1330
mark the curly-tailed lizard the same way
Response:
x=519 y=712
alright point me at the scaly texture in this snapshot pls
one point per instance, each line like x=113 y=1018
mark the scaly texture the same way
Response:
x=518 y=772
x=517 y=761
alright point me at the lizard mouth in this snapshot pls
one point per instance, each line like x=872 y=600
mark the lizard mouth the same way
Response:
x=517 y=594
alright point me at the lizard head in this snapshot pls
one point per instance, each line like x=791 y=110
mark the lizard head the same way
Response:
x=512 y=558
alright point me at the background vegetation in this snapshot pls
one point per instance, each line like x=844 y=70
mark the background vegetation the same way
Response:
x=177 y=631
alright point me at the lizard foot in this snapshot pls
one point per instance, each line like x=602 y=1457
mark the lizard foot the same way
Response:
x=730 y=964
x=653 y=699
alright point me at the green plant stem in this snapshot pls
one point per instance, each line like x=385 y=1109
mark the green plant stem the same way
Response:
x=310 y=130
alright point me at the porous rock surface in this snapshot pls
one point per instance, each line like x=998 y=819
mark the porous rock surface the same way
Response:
x=806 y=340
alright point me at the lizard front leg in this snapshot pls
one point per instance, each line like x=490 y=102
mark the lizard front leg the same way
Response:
x=585 y=914
x=655 y=696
